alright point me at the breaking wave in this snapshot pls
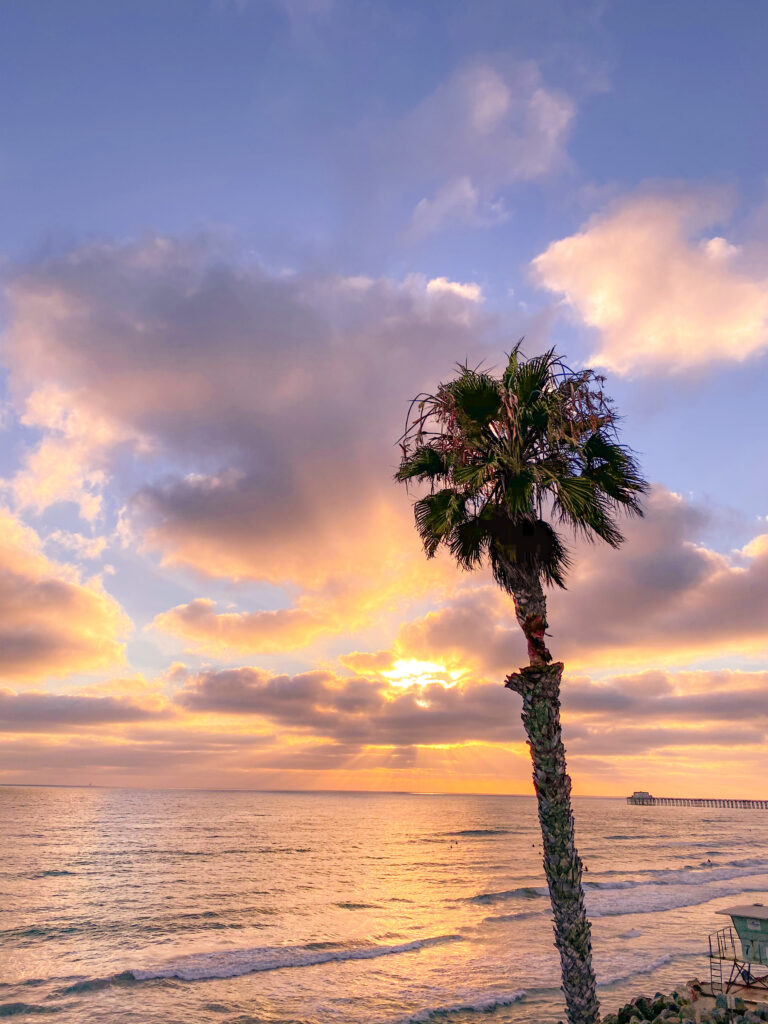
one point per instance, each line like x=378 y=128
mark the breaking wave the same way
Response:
x=525 y=892
x=475 y=1004
x=689 y=875
x=232 y=963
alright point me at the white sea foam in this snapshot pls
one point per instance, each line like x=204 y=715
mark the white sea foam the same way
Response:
x=651 y=898
x=231 y=963
x=658 y=878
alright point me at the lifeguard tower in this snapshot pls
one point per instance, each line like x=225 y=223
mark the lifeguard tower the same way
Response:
x=738 y=953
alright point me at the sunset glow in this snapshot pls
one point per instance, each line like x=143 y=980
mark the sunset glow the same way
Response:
x=412 y=672
x=213 y=325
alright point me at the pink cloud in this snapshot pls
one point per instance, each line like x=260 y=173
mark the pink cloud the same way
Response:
x=658 y=295
x=277 y=399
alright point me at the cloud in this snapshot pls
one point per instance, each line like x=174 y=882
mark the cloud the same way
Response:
x=626 y=715
x=220 y=632
x=663 y=597
x=247 y=726
x=632 y=742
x=357 y=710
x=45 y=712
x=658 y=295
x=368 y=661
x=457 y=203
x=69 y=462
x=485 y=128
x=655 y=696
x=472 y=292
x=51 y=623
x=262 y=411
x=83 y=547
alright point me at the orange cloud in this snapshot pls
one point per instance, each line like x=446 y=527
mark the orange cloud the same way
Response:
x=219 y=632
x=368 y=661
x=390 y=579
x=659 y=296
x=52 y=623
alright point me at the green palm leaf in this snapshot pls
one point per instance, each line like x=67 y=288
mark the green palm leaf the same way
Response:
x=505 y=449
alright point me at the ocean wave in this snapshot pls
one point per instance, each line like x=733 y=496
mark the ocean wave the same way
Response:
x=164 y=925
x=653 y=901
x=480 y=832
x=619 y=900
x=358 y=906
x=16 y=1009
x=525 y=892
x=692 y=874
x=232 y=963
x=647 y=968
x=501 y=918
x=473 y=1004
x=36 y=931
x=52 y=873
x=97 y=984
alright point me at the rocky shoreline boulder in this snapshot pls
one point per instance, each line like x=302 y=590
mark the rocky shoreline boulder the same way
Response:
x=681 y=1007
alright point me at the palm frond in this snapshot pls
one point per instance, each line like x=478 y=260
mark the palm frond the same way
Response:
x=424 y=463
x=504 y=449
x=475 y=397
x=437 y=515
x=469 y=542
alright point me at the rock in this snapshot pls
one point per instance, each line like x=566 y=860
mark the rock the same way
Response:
x=762 y=1010
x=739 y=1005
x=721 y=1002
x=644 y=1008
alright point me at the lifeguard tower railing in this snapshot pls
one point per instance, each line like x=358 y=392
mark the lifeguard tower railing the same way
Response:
x=727 y=967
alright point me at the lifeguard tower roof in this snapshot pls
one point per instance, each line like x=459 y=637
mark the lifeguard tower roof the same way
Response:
x=756 y=911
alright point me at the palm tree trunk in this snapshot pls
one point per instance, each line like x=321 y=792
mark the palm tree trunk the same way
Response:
x=539 y=686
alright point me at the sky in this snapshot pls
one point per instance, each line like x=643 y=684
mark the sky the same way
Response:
x=238 y=236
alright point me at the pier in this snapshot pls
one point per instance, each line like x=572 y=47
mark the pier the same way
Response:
x=644 y=799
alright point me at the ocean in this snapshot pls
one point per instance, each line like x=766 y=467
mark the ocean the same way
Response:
x=195 y=907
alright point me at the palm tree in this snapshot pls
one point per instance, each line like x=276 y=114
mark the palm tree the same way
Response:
x=508 y=460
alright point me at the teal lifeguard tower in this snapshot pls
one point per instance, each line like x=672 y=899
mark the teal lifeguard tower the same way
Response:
x=738 y=953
